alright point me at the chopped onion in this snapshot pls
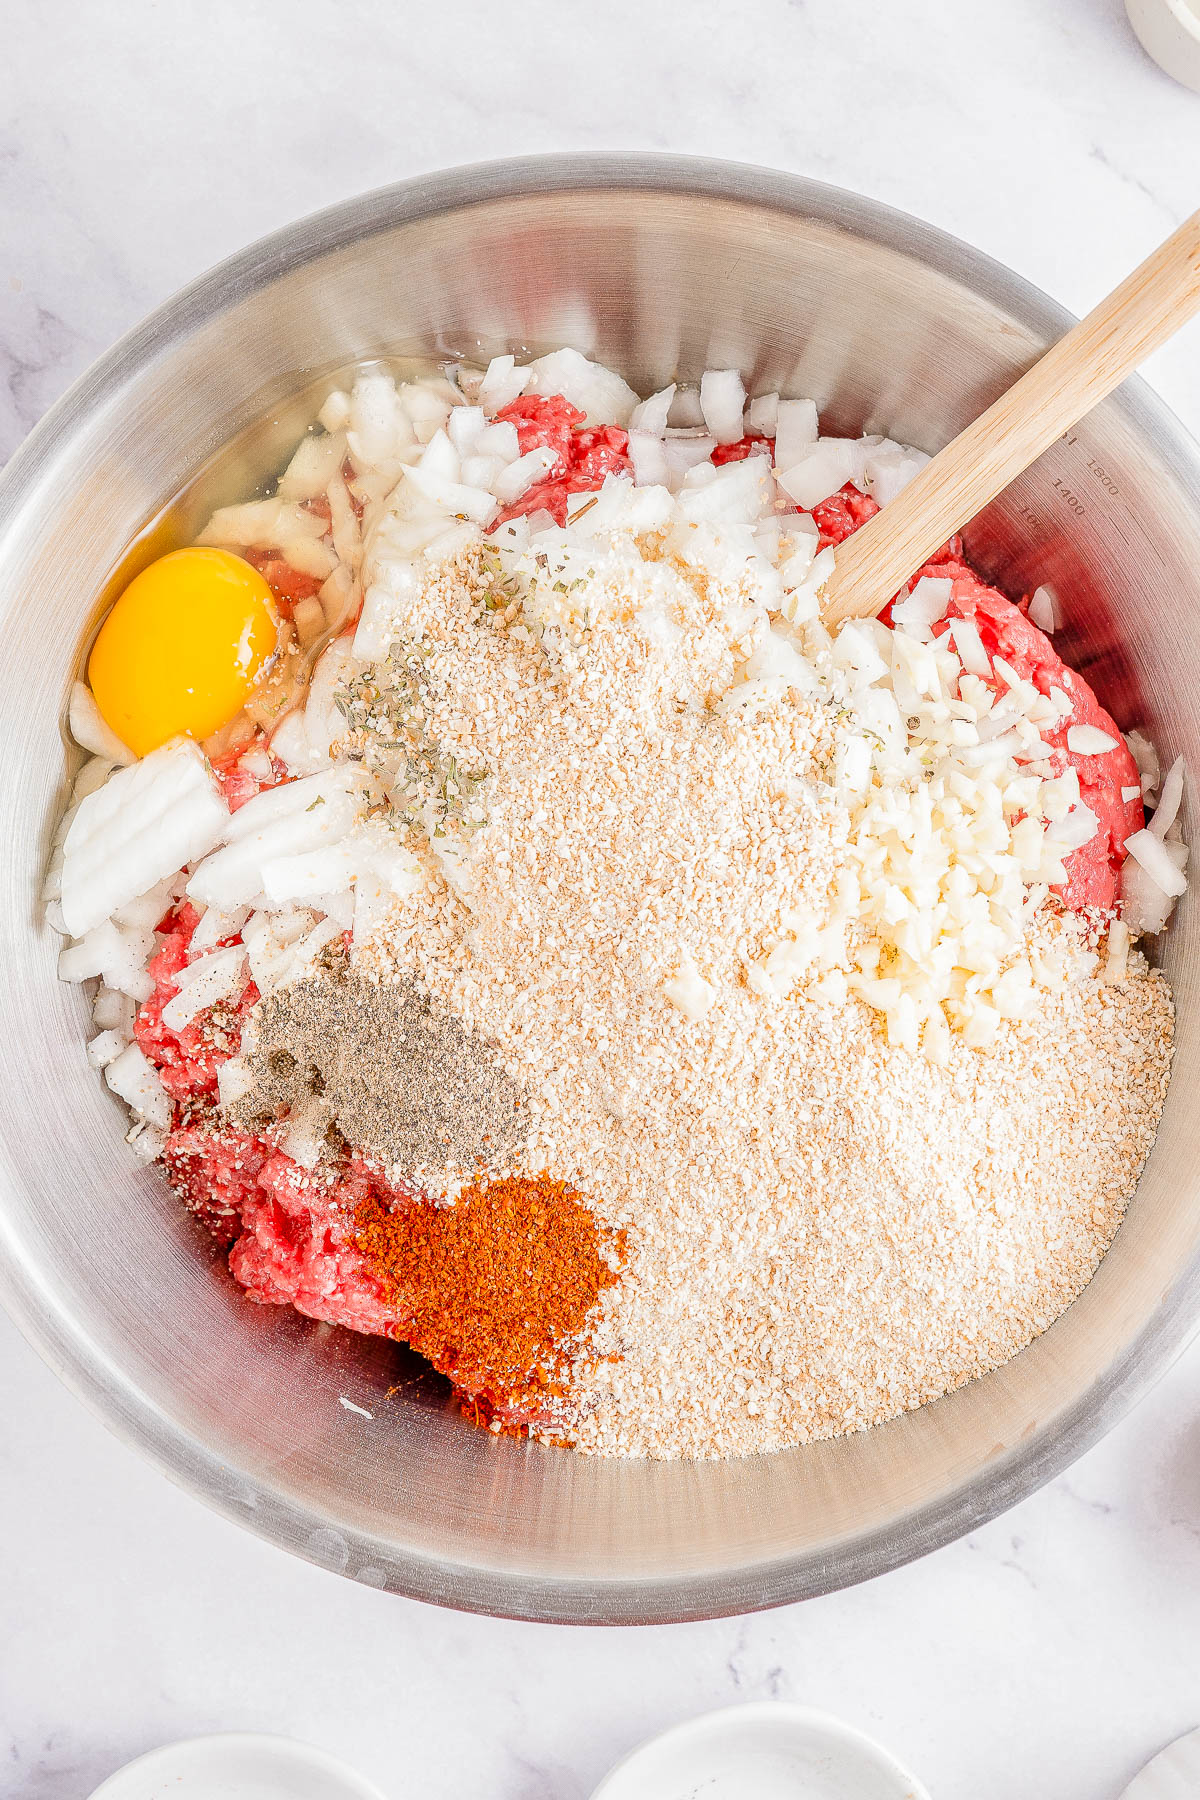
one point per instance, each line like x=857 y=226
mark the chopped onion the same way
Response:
x=1167 y=810
x=927 y=603
x=1044 y=609
x=91 y=732
x=965 y=636
x=1144 y=905
x=762 y=417
x=523 y=474
x=1154 y=857
x=1089 y=740
x=502 y=384
x=1146 y=757
x=723 y=403
x=1078 y=828
x=651 y=415
x=648 y=454
x=796 y=430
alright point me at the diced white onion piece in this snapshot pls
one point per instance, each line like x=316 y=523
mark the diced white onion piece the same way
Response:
x=323 y=870
x=762 y=415
x=690 y=994
x=146 y=1141
x=499 y=440
x=318 y=457
x=285 y=821
x=335 y=413
x=324 y=722
x=257 y=762
x=1130 y=794
x=1078 y=828
x=263 y=525
x=685 y=454
x=1044 y=609
x=523 y=474
x=502 y=384
x=453 y=497
x=927 y=603
x=651 y=416
x=796 y=430
x=89 y=730
x=888 y=468
x=146 y=822
x=1171 y=799
x=1089 y=740
x=819 y=473
x=964 y=634
x=735 y=493
x=1144 y=906
x=1146 y=757
x=440 y=457
x=304 y=1135
x=723 y=403
x=482 y=471
x=385 y=608
x=290 y=745
x=464 y=426
x=451 y=542
x=1153 y=857
x=378 y=428
x=133 y=1077
x=648 y=454
x=234 y=1081
x=106 y=1046
x=347 y=542
x=215 y=925
x=600 y=394
x=91 y=955
x=1116 y=951
x=219 y=976
x=113 y=1011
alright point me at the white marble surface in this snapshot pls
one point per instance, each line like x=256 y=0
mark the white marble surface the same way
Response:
x=140 y=140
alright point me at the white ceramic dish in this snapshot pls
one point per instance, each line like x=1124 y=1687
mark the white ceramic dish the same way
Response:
x=763 y=1751
x=237 y=1765
x=1174 y=1774
x=1169 y=31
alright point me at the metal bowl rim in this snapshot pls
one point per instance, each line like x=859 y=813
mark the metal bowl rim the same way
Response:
x=103 y=1386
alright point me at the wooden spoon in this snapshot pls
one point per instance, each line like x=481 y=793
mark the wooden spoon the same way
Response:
x=1075 y=375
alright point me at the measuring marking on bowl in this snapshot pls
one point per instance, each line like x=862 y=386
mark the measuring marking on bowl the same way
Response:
x=237 y=1765
x=765 y=1750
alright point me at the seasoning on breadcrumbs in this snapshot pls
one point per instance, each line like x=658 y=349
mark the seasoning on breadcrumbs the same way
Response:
x=497 y=1288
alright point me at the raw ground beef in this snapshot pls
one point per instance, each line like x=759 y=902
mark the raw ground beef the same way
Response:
x=187 y=1060
x=586 y=454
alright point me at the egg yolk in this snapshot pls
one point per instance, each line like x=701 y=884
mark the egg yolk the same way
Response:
x=183 y=647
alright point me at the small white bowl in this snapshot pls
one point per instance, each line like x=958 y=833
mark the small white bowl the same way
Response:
x=1171 y=1775
x=766 y=1750
x=1169 y=31
x=237 y=1765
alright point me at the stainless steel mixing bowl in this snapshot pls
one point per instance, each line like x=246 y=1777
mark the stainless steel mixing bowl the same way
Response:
x=663 y=267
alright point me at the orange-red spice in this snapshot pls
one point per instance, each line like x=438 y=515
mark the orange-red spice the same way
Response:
x=496 y=1289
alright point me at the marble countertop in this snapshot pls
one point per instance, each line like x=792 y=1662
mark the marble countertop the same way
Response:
x=1048 y=1654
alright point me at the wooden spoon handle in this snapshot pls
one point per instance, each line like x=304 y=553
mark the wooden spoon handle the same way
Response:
x=1072 y=377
